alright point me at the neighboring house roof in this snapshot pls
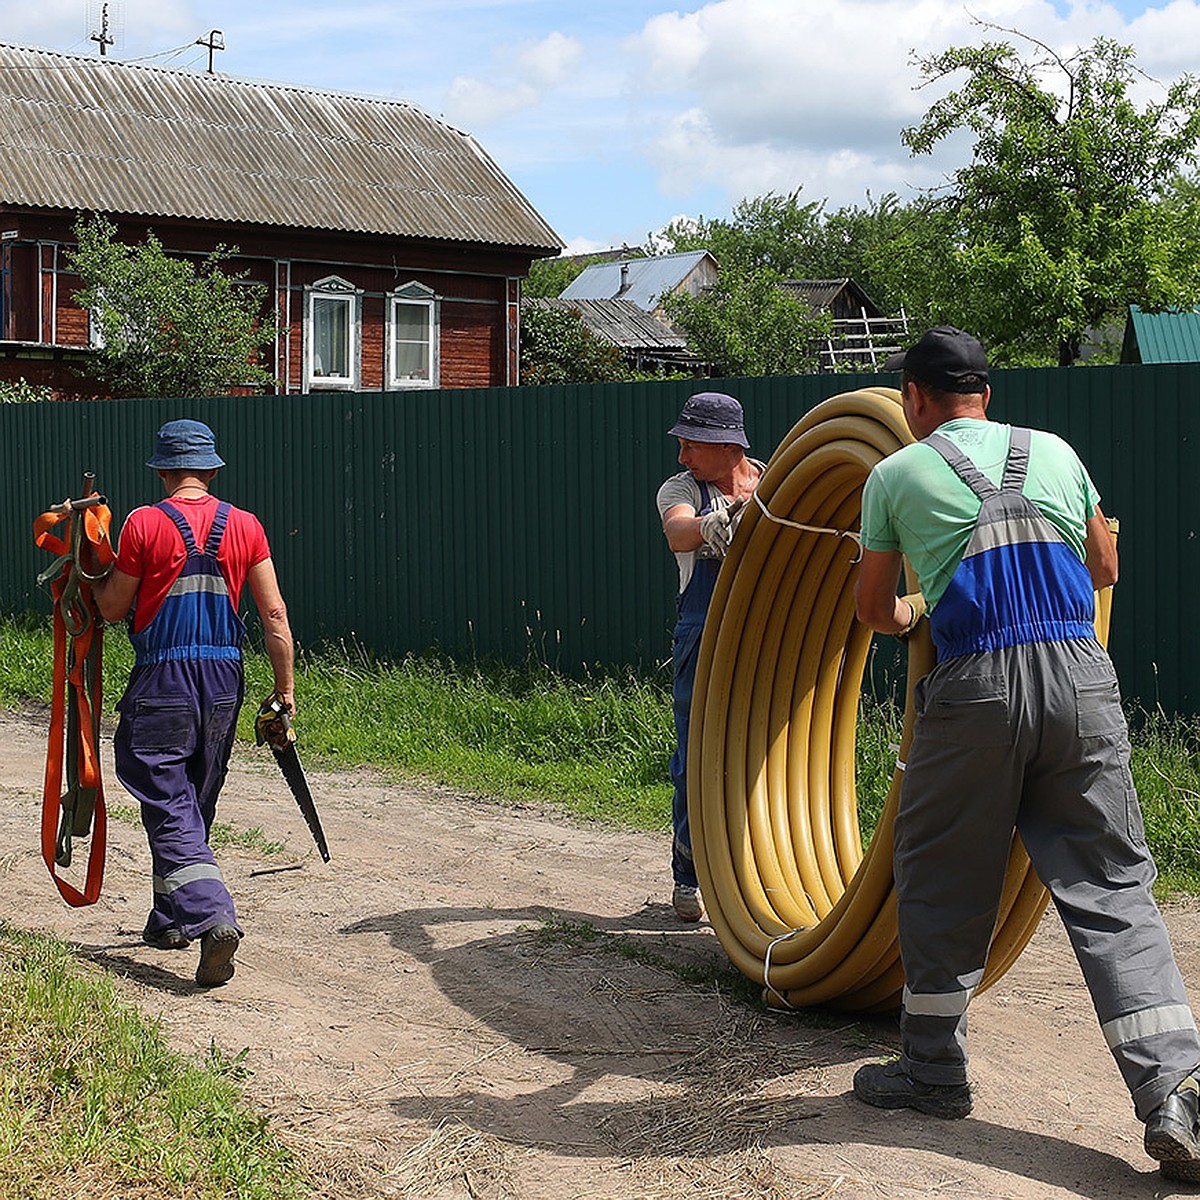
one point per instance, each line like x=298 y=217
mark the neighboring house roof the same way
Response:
x=94 y=134
x=822 y=294
x=642 y=280
x=620 y=322
x=1165 y=337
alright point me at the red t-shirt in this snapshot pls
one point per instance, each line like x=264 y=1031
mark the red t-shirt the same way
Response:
x=151 y=549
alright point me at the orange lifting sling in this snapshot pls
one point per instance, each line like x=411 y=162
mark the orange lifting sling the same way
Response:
x=79 y=535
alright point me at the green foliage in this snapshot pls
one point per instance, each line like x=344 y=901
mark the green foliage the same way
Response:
x=1059 y=221
x=21 y=391
x=768 y=233
x=745 y=324
x=166 y=327
x=92 y=1100
x=549 y=276
x=556 y=347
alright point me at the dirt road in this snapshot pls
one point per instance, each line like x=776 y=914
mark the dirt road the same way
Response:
x=477 y=1001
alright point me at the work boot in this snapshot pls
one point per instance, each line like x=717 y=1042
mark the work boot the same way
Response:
x=217 y=948
x=166 y=939
x=687 y=903
x=886 y=1085
x=1171 y=1133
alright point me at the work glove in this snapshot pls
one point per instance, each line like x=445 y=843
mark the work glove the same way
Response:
x=716 y=527
x=273 y=724
x=916 y=601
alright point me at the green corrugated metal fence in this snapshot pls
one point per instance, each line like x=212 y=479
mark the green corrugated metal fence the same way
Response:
x=505 y=523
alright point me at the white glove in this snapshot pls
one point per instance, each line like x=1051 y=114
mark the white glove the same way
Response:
x=716 y=527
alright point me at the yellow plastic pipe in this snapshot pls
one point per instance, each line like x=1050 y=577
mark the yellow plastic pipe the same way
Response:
x=795 y=901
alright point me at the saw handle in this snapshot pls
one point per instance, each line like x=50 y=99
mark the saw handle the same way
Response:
x=273 y=725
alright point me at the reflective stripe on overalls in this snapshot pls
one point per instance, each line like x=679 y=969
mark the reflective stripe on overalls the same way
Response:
x=692 y=609
x=1020 y=727
x=178 y=721
x=196 y=619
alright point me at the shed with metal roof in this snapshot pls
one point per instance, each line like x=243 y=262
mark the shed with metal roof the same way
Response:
x=644 y=281
x=1172 y=336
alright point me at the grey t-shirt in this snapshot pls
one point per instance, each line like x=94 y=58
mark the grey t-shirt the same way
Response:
x=683 y=489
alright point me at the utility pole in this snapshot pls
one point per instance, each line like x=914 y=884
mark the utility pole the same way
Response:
x=214 y=41
x=102 y=37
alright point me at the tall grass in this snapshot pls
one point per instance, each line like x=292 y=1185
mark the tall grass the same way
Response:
x=598 y=748
x=92 y=1102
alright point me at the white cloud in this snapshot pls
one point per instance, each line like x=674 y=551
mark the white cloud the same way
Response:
x=472 y=102
x=551 y=60
x=758 y=95
x=533 y=69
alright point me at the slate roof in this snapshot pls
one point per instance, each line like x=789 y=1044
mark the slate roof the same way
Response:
x=620 y=322
x=819 y=294
x=1165 y=337
x=648 y=278
x=96 y=134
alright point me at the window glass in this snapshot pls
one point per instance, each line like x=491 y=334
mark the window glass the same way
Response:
x=331 y=337
x=410 y=341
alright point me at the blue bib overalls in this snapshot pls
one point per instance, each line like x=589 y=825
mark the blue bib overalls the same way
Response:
x=692 y=609
x=178 y=720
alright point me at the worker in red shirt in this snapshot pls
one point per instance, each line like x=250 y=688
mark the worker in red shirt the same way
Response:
x=181 y=566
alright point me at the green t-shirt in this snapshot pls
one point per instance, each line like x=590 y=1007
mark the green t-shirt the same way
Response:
x=915 y=503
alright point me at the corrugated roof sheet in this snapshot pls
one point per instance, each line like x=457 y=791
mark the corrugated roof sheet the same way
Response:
x=648 y=279
x=1166 y=337
x=122 y=138
x=620 y=322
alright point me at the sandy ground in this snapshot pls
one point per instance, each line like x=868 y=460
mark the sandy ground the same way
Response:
x=425 y=1016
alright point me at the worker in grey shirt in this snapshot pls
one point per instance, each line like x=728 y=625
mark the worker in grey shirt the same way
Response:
x=700 y=508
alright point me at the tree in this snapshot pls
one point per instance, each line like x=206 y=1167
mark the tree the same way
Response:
x=164 y=326
x=746 y=324
x=770 y=233
x=1059 y=221
x=556 y=347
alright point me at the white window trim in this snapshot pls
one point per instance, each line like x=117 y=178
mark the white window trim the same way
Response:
x=333 y=288
x=417 y=294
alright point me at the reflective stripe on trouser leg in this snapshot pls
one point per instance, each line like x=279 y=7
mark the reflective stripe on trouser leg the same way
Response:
x=1082 y=825
x=953 y=833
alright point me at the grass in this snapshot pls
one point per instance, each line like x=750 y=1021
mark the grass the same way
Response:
x=92 y=1102
x=596 y=748
x=87 y=1089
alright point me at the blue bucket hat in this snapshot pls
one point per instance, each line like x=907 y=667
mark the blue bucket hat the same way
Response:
x=711 y=417
x=184 y=445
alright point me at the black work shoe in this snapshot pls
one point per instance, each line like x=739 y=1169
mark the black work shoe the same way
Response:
x=1171 y=1133
x=166 y=939
x=217 y=948
x=885 y=1085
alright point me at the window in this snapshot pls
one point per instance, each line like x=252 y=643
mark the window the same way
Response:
x=412 y=338
x=333 y=334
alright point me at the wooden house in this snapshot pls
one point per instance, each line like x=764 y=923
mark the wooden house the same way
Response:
x=392 y=247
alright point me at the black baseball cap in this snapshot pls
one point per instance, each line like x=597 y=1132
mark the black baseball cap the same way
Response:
x=945 y=358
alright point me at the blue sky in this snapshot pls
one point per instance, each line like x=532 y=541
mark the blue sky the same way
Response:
x=616 y=116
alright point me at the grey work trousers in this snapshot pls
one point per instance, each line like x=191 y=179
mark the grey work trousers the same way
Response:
x=1032 y=738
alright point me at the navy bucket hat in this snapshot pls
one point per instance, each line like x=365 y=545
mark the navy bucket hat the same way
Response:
x=711 y=417
x=185 y=445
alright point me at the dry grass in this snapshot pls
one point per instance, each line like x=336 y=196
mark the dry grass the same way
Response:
x=749 y=1174
x=715 y=1102
x=456 y=1155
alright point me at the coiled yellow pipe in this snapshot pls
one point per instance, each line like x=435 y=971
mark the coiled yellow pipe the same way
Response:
x=794 y=900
